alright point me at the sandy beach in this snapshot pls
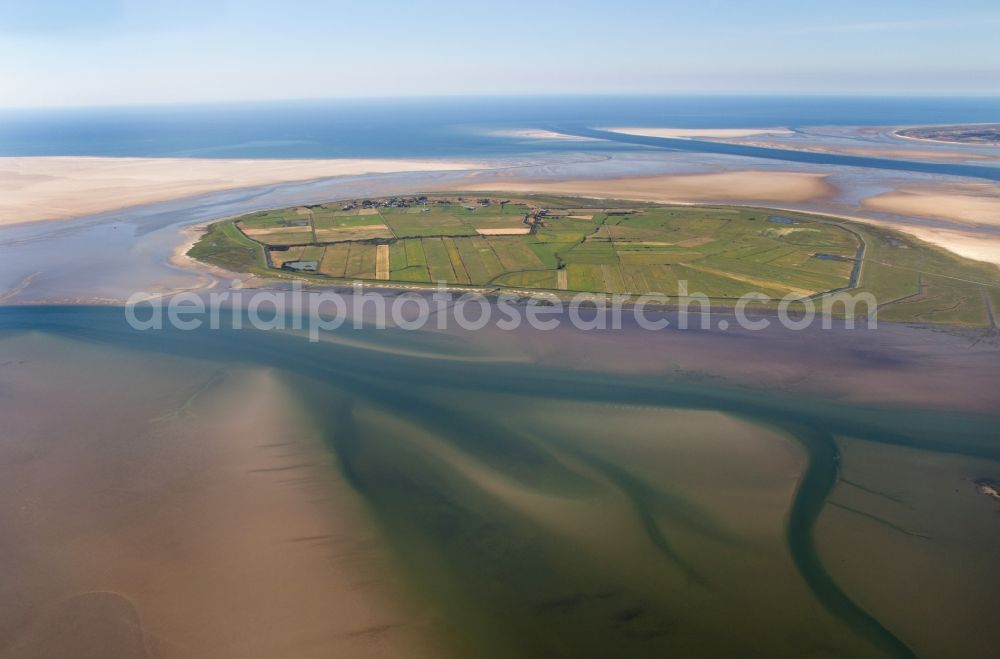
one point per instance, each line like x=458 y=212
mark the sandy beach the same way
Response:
x=48 y=188
x=746 y=185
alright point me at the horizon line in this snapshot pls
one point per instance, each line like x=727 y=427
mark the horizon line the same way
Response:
x=506 y=95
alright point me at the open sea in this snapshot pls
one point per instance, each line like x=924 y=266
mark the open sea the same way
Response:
x=436 y=128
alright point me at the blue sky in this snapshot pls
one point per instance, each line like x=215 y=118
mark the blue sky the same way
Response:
x=80 y=52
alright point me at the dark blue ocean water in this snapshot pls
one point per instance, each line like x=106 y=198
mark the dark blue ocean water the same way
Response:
x=445 y=128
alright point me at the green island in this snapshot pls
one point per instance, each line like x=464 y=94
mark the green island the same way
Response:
x=564 y=245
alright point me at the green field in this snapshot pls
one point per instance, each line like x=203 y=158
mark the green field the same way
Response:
x=572 y=246
x=225 y=246
x=332 y=226
x=289 y=226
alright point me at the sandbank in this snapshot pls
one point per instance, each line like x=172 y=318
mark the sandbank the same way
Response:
x=699 y=132
x=539 y=134
x=974 y=203
x=747 y=185
x=964 y=243
x=49 y=188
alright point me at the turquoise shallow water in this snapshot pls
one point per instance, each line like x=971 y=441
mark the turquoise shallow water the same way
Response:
x=510 y=586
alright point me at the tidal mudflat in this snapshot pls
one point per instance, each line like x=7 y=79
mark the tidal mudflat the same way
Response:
x=908 y=531
x=346 y=492
x=161 y=506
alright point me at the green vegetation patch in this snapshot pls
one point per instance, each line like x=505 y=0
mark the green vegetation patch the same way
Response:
x=361 y=261
x=397 y=256
x=434 y=222
x=225 y=246
x=461 y=275
x=334 y=262
x=515 y=254
x=326 y=218
x=438 y=260
x=480 y=261
x=415 y=253
x=543 y=280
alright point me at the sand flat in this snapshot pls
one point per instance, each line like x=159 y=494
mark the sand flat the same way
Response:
x=540 y=134
x=699 y=132
x=964 y=243
x=974 y=203
x=44 y=188
x=744 y=185
x=879 y=547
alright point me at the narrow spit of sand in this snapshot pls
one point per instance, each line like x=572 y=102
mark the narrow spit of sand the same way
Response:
x=54 y=188
x=539 y=134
